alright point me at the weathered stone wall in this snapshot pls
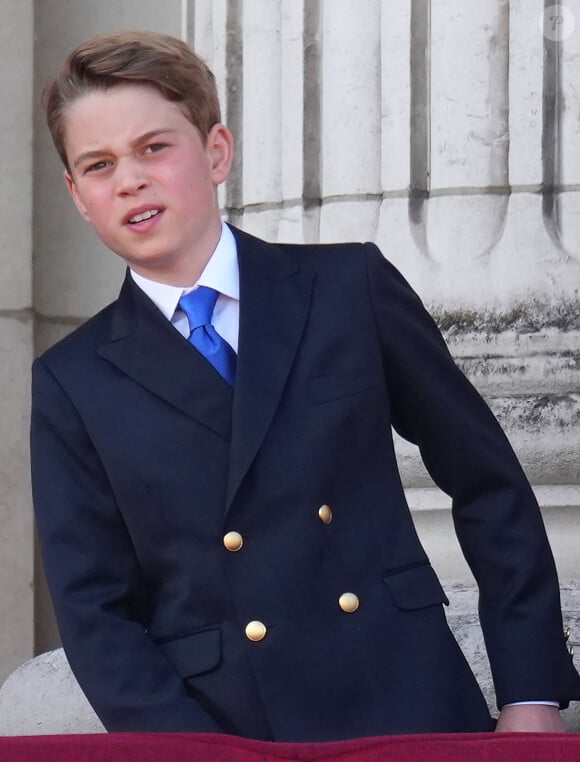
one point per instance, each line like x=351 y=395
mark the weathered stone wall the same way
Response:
x=445 y=131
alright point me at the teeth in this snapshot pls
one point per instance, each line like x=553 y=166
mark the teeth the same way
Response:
x=145 y=216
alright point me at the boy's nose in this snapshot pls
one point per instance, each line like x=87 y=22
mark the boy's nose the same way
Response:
x=130 y=178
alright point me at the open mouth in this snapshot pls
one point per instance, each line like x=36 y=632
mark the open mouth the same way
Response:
x=143 y=216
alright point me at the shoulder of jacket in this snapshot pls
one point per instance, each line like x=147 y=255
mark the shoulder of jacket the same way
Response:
x=327 y=254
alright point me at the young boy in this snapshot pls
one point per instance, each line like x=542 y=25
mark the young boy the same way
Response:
x=223 y=525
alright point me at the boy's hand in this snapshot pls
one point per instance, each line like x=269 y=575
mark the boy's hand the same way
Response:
x=530 y=718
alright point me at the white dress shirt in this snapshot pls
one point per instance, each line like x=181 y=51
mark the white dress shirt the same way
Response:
x=220 y=273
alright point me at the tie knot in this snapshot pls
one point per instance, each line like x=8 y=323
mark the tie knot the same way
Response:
x=198 y=305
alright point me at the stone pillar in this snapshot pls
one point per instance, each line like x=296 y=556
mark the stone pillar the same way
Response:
x=16 y=545
x=496 y=258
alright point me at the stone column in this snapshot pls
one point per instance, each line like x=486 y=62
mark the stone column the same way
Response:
x=16 y=544
x=497 y=257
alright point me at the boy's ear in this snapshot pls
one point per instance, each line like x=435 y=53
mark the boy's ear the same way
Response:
x=70 y=184
x=220 y=149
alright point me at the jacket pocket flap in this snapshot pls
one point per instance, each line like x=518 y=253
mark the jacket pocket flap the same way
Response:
x=415 y=588
x=194 y=654
x=326 y=388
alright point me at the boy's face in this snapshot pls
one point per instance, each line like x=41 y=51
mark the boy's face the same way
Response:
x=142 y=177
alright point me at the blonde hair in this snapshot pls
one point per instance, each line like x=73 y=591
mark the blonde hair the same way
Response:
x=148 y=58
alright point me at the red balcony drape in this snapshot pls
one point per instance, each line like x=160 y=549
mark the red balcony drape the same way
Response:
x=180 y=747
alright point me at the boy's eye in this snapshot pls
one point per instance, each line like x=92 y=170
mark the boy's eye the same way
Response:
x=98 y=165
x=154 y=147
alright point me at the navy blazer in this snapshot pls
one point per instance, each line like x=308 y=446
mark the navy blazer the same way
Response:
x=143 y=459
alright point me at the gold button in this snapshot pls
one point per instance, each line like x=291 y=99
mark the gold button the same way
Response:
x=255 y=631
x=325 y=514
x=348 y=602
x=233 y=541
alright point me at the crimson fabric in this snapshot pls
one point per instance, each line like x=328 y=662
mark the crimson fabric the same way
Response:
x=181 y=747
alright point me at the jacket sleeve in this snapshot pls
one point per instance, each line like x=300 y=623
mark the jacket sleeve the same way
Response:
x=94 y=577
x=496 y=516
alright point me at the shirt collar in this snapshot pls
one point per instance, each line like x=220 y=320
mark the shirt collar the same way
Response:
x=221 y=273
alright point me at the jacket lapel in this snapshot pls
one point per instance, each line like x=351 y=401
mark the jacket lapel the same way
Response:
x=146 y=347
x=274 y=302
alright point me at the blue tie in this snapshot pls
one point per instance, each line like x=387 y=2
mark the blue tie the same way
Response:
x=198 y=305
